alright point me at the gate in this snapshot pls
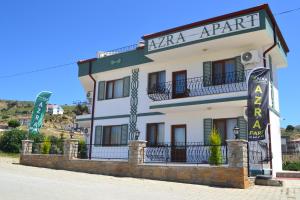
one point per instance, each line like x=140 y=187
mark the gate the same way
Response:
x=258 y=157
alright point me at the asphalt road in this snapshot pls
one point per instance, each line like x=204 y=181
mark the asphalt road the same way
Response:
x=19 y=182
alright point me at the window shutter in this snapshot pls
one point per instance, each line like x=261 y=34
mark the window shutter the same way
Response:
x=207 y=127
x=124 y=137
x=207 y=73
x=98 y=135
x=101 y=90
x=126 y=86
x=240 y=75
x=242 y=124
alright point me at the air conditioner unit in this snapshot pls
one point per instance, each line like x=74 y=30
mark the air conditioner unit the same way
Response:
x=89 y=96
x=250 y=57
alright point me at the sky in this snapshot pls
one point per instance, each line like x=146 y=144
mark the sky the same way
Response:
x=38 y=34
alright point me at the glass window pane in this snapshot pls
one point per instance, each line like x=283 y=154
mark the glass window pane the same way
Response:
x=118 y=89
x=230 y=71
x=162 y=77
x=221 y=127
x=109 y=90
x=106 y=135
x=179 y=136
x=152 y=80
x=218 y=73
x=151 y=134
x=115 y=135
x=160 y=133
x=180 y=83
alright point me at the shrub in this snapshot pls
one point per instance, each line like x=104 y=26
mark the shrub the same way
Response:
x=46 y=146
x=13 y=123
x=5 y=117
x=82 y=149
x=11 y=141
x=291 y=166
x=215 y=148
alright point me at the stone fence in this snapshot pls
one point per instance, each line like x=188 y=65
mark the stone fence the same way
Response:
x=235 y=174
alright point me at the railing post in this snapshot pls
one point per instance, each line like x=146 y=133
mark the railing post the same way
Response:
x=70 y=148
x=26 y=147
x=136 y=151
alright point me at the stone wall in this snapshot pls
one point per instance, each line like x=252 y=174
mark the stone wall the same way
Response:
x=232 y=175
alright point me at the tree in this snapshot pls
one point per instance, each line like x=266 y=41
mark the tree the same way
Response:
x=215 y=148
x=290 y=128
x=13 y=123
x=81 y=109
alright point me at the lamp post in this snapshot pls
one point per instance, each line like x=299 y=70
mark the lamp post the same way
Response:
x=137 y=134
x=236 y=131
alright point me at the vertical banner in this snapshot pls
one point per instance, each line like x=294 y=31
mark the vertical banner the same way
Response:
x=38 y=113
x=258 y=102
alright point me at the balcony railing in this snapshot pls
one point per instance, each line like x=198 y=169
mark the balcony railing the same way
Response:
x=199 y=86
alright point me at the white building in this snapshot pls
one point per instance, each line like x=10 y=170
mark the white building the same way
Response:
x=178 y=83
x=54 y=109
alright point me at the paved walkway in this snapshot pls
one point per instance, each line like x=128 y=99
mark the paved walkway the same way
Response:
x=31 y=183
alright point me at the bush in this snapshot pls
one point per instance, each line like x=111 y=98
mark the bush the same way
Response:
x=82 y=149
x=4 y=117
x=11 y=141
x=46 y=146
x=13 y=123
x=215 y=148
x=291 y=166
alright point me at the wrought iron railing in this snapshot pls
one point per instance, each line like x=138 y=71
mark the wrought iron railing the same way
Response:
x=193 y=153
x=123 y=49
x=199 y=86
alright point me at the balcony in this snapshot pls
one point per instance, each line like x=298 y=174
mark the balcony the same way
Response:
x=200 y=86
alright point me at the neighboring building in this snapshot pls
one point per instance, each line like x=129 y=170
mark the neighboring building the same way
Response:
x=24 y=120
x=54 y=109
x=290 y=146
x=177 y=84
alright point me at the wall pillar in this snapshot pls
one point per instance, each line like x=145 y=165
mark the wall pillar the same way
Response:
x=237 y=153
x=136 y=151
x=26 y=147
x=70 y=148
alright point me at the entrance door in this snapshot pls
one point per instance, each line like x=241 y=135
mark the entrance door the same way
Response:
x=179 y=85
x=178 y=143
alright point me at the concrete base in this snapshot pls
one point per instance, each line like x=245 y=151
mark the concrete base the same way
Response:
x=268 y=181
x=288 y=174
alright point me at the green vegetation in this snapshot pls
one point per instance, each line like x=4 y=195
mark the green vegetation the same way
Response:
x=13 y=123
x=291 y=166
x=46 y=145
x=82 y=149
x=215 y=148
x=11 y=141
x=11 y=155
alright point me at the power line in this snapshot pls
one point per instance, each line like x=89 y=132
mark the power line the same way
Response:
x=287 y=11
x=37 y=70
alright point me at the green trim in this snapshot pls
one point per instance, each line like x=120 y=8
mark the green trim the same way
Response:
x=274 y=111
x=120 y=60
x=261 y=27
x=200 y=102
x=121 y=116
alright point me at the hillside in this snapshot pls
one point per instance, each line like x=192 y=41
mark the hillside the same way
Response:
x=18 y=110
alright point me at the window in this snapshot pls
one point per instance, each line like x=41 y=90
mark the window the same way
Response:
x=114 y=88
x=156 y=81
x=115 y=135
x=155 y=134
x=224 y=72
x=225 y=128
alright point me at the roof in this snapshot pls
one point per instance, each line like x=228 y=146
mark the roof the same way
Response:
x=222 y=17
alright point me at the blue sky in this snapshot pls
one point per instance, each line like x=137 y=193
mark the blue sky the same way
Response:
x=38 y=34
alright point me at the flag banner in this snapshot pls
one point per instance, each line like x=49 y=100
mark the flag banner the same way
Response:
x=258 y=101
x=39 y=111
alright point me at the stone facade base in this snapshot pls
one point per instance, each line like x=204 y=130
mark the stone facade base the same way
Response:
x=223 y=176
